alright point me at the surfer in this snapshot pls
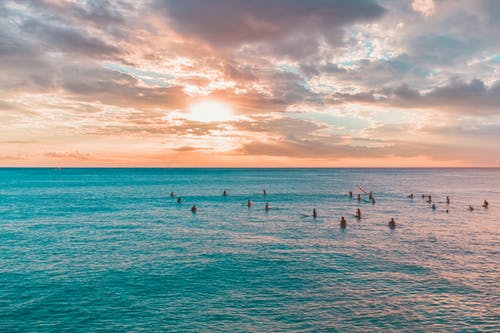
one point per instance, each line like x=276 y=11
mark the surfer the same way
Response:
x=485 y=204
x=392 y=223
x=315 y=214
x=224 y=193
x=447 y=200
x=179 y=200
x=194 y=209
x=249 y=203
x=267 y=206
x=343 y=223
x=358 y=214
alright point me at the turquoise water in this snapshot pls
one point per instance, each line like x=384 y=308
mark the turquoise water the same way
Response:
x=86 y=250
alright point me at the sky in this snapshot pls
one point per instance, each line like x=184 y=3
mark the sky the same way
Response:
x=254 y=83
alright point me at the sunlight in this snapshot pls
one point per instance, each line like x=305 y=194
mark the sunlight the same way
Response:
x=210 y=111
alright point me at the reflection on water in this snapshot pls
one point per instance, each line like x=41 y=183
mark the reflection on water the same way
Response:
x=82 y=249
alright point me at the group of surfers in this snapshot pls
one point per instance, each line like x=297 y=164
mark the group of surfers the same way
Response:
x=434 y=207
x=343 y=222
x=194 y=208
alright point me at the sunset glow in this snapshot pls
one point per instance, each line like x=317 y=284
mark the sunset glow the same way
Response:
x=239 y=83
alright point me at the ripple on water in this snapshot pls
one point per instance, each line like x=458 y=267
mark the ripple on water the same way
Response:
x=87 y=250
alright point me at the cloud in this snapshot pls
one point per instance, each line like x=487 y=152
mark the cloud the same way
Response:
x=228 y=23
x=424 y=7
x=100 y=13
x=359 y=74
x=284 y=126
x=472 y=98
x=74 y=155
x=68 y=40
x=319 y=149
x=114 y=88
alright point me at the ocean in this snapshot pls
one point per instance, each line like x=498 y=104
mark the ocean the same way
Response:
x=87 y=250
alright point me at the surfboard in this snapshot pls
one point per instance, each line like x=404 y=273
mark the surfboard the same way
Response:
x=362 y=189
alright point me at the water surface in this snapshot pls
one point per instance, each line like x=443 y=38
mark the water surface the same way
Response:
x=108 y=250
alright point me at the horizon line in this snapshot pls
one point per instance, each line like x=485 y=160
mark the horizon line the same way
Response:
x=242 y=167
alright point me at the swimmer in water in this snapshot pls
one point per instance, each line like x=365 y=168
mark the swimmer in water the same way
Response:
x=434 y=206
x=194 y=209
x=172 y=194
x=249 y=203
x=373 y=201
x=315 y=214
x=359 y=197
x=343 y=223
x=358 y=214
x=430 y=199
x=179 y=200
x=447 y=200
x=350 y=194
x=410 y=196
x=392 y=223
x=264 y=192
x=485 y=204
x=224 y=193
x=370 y=196
x=471 y=208
x=267 y=206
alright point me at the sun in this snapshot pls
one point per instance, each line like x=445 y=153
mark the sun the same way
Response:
x=210 y=111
